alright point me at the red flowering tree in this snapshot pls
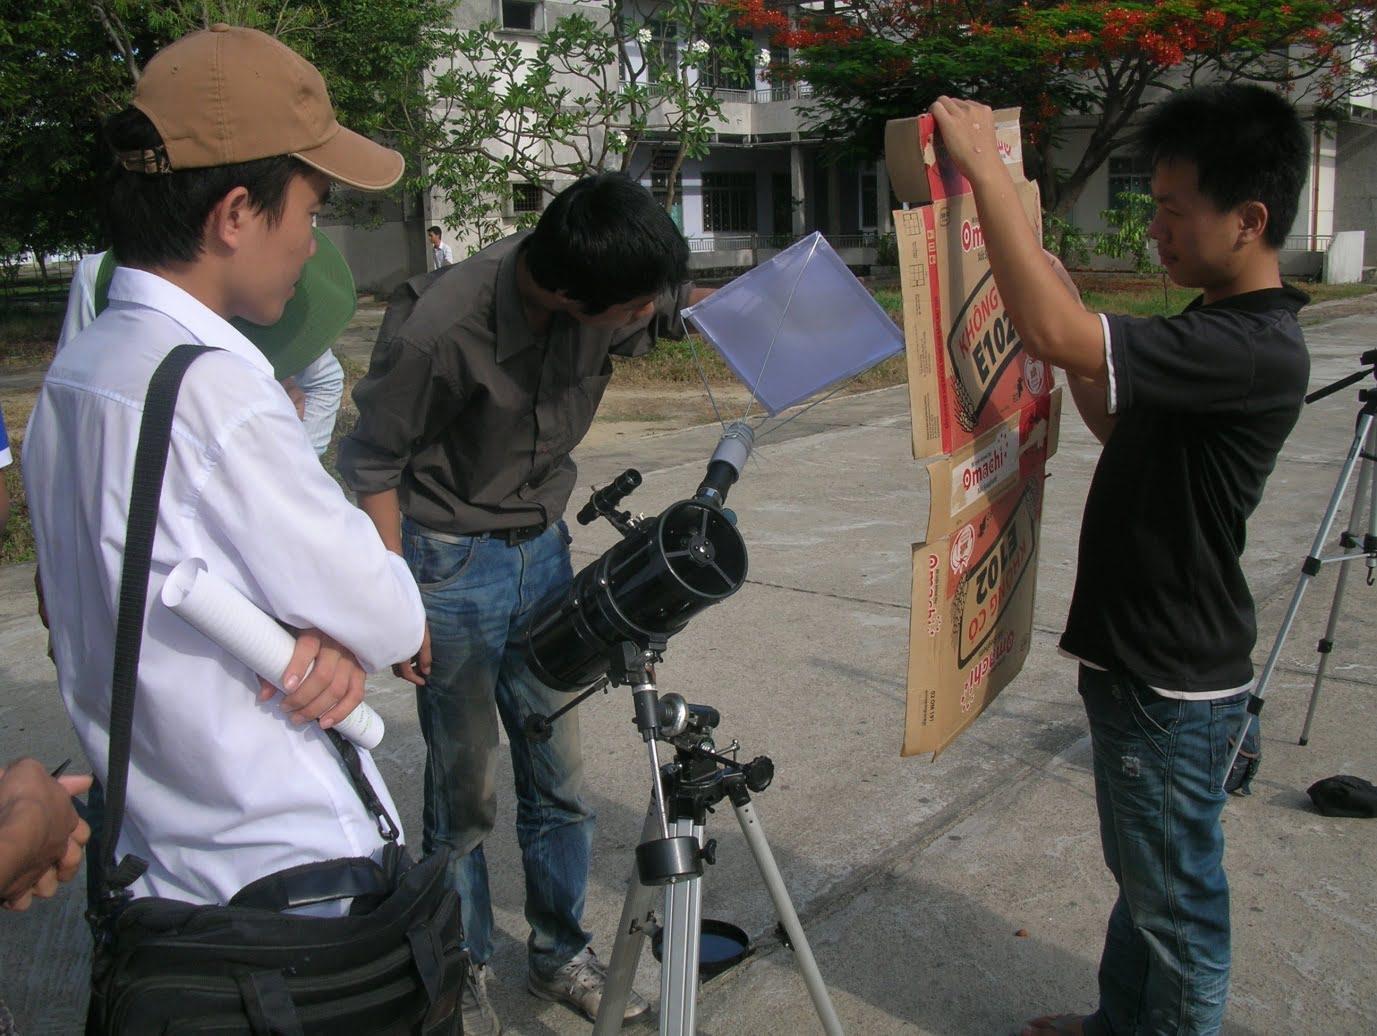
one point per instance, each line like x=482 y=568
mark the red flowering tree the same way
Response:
x=873 y=60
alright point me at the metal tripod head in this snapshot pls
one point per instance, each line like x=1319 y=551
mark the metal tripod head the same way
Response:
x=1366 y=396
x=688 y=786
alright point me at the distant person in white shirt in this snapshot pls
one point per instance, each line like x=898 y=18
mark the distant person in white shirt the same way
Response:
x=6 y=459
x=225 y=783
x=298 y=345
x=441 y=255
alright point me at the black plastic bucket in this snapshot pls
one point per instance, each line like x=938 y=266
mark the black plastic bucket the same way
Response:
x=722 y=946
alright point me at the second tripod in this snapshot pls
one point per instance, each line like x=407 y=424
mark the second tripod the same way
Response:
x=673 y=852
x=1362 y=455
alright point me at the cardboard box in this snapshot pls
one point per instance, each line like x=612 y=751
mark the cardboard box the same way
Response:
x=966 y=368
x=975 y=578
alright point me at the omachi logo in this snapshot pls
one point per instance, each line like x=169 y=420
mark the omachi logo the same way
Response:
x=971 y=236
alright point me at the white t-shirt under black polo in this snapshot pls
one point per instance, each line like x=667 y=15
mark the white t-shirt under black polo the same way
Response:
x=1204 y=401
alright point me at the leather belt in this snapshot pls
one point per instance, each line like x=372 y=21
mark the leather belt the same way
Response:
x=521 y=534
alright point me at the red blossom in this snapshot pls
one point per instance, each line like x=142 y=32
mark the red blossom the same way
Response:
x=753 y=14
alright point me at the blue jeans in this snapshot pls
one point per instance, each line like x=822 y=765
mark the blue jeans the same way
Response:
x=1159 y=771
x=478 y=593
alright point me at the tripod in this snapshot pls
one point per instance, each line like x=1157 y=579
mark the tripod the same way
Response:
x=1362 y=454
x=683 y=793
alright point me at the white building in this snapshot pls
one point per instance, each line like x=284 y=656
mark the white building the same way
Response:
x=764 y=183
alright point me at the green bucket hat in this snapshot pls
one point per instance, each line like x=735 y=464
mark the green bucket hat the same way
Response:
x=321 y=308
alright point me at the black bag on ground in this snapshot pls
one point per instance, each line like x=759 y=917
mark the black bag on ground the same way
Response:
x=391 y=966
x=1344 y=796
x=1239 y=779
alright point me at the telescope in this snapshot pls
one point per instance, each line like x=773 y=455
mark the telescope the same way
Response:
x=611 y=626
x=647 y=587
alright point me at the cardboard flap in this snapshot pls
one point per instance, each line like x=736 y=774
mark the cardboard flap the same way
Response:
x=919 y=169
x=971 y=620
x=968 y=479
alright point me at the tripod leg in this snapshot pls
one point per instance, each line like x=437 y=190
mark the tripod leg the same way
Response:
x=765 y=860
x=1309 y=569
x=679 y=948
x=637 y=911
x=1326 y=646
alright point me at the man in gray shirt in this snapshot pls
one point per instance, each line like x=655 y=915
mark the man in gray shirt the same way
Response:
x=485 y=377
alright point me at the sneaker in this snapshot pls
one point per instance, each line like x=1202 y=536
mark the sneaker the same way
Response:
x=479 y=1017
x=580 y=984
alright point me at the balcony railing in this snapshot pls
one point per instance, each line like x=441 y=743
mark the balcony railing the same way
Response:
x=1307 y=242
x=765 y=95
x=755 y=242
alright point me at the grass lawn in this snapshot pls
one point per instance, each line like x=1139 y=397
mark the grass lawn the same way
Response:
x=17 y=543
x=1152 y=296
x=27 y=339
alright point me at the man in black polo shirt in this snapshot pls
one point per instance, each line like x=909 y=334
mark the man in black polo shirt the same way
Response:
x=1192 y=411
x=485 y=377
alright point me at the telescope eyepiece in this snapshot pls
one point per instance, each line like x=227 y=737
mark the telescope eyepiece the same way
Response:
x=606 y=499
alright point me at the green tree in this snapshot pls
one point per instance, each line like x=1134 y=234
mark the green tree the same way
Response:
x=57 y=81
x=1127 y=237
x=64 y=68
x=588 y=93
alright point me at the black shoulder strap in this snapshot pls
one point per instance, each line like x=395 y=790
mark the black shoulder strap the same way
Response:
x=150 y=464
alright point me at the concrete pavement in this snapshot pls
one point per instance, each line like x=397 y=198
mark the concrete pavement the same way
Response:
x=948 y=897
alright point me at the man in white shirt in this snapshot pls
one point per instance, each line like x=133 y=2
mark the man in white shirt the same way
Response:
x=228 y=150
x=441 y=255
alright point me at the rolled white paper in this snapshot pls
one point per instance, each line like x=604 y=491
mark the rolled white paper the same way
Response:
x=227 y=617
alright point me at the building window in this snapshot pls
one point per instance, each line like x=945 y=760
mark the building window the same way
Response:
x=1128 y=174
x=869 y=186
x=781 y=204
x=527 y=197
x=660 y=166
x=729 y=202
x=715 y=74
x=779 y=58
x=520 y=15
x=663 y=49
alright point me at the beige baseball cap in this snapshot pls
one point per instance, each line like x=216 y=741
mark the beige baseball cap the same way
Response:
x=228 y=94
